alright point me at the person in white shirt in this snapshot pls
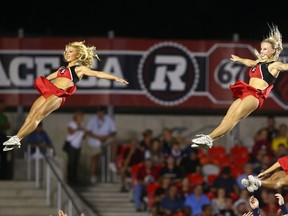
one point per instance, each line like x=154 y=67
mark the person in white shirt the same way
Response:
x=101 y=129
x=75 y=135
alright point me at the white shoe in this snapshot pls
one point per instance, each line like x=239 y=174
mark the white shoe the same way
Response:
x=200 y=146
x=203 y=140
x=13 y=142
x=245 y=182
x=250 y=188
x=255 y=181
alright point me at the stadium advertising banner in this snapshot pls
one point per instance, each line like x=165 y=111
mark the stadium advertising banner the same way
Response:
x=192 y=74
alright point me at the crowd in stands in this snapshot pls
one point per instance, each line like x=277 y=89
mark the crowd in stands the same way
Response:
x=169 y=178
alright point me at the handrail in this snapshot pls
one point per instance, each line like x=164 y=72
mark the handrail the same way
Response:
x=60 y=183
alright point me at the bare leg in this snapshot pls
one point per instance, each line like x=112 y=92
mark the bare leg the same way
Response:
x=239 y=110
x=37 y=113
x=276 y=180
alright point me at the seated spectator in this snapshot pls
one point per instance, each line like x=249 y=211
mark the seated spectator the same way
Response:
x=40 y=138
x=185 y=187
x=227 y=181
x=155 y=152
x=218 y=203
x=131 y=157
x=191 y=163
x=281 y=151
x=147 y=138
x=206 y=210
x=146 y=174
x=280 y=139
x=248 y=169
x=196 y=200
x=167 y=140
x=262 y=142
x=241 y=205
x=172 y=169
x=171 y=202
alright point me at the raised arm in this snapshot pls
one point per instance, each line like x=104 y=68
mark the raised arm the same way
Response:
x=247 y=62
x=100 y=74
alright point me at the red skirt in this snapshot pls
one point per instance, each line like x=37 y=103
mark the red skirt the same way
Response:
x=241 y=90
x=47 y=88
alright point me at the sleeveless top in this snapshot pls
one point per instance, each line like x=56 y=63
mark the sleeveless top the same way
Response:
x=68 y=73
x=261 y=71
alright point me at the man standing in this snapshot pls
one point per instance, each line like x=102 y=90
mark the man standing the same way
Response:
x=101 y=129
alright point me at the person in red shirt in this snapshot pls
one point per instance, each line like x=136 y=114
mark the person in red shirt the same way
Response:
x=148 y=173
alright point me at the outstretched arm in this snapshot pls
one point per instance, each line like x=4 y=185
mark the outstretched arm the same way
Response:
x=247 y=62
x=269 y=170
x=281 y=66
x=100 y=74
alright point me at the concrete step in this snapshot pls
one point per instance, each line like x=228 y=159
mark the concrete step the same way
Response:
x=9 y=184
x=22 y=198
x=26 y=201
x=107 y=200
x=28 y=211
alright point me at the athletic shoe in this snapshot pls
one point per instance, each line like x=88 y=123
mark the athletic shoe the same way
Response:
x=250 y=188
x=13 y=142
x=245 y=182
x=203 y=140
x=254 y=180
x=200 y=146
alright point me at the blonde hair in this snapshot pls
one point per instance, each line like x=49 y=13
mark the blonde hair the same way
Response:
x=87 y=54
x=275 y=39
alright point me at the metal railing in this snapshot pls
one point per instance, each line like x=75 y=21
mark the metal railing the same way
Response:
x=63 y=196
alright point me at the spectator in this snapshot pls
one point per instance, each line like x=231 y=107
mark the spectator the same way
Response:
x=272 y=128
x=262 y=142
x=227 y=181
x=101 y=129
x=172 y=169
x=155 y=152
x=146 y=174
x=241 y=205
x=147 y=138
x=248 y=169
x=206 y=210
x=171 y=202
x=131 y=157
x=219 y=202
x=191 y=163
x=270 y=207
x=165 y=182
x=176 y=151
x=196 y=200
x=280 y=139
x=39 y=138
x=75 y=134
x=167 y=140
x=281 y=151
